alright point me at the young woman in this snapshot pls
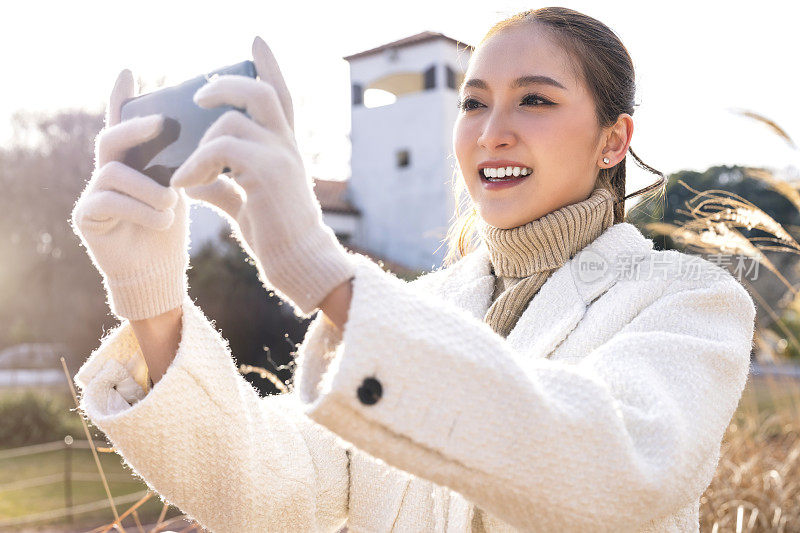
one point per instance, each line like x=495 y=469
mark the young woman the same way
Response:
x=562 y=375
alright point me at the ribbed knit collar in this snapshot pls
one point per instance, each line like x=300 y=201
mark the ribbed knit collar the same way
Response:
x=549 y=241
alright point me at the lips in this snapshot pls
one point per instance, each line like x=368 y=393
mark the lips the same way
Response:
x=501 y=183
x=506 y=178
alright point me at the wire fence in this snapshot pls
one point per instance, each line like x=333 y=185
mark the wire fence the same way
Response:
x=69 y=511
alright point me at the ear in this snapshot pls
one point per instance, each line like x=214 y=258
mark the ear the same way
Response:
x=618 y=139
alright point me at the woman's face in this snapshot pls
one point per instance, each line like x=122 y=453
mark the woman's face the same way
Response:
x=549 y=127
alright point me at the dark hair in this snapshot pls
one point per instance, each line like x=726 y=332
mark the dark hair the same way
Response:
x=606 y=68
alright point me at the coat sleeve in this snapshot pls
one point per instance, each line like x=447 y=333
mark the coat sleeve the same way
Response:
x=205 y=440
x=627 y=435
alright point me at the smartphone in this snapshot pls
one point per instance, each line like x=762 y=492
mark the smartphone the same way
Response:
x=184 y=123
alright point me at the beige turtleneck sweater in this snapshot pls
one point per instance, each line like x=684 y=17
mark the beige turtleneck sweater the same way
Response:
x=523 y=257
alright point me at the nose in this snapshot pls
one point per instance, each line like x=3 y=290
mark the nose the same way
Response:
x=496 y=133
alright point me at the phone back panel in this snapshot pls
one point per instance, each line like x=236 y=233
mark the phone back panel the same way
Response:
x=184 y=123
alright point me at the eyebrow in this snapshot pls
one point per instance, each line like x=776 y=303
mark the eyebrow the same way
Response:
x=522 y=81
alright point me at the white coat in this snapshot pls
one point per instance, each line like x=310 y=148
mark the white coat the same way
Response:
x=603 y=410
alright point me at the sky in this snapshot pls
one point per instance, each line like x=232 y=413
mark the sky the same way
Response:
x=695 y=63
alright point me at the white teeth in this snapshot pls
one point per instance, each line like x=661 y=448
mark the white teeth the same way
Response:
x=503 y=172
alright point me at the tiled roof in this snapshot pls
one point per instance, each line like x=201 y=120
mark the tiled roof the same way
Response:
x=413 y=39
x=332 y=196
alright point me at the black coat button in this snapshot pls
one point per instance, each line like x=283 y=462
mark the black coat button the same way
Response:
x=370 y=391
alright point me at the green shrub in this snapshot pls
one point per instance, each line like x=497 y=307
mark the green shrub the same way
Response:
x=31 y=418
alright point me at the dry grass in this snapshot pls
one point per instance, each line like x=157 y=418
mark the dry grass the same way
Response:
x=131 y=513
x=162 y=524
x=757 y=483
x=713 y=227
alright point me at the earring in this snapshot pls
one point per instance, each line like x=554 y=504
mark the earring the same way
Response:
x=606 y=160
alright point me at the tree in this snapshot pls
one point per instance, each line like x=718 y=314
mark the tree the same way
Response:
x=48 y=285
x=262 y=329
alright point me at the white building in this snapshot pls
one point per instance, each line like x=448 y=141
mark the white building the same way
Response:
x=398 y=202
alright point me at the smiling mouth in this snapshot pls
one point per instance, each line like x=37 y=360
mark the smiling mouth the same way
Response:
x=489 y=179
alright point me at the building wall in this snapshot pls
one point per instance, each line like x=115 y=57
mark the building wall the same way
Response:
x=405 y=210
x=344 y=225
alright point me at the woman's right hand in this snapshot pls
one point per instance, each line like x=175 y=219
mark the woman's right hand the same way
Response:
x=134 y=229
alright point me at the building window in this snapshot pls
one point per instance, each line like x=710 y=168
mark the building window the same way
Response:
x=358 y=94
x=430 y=77
x=451 y=77
x=403 y=158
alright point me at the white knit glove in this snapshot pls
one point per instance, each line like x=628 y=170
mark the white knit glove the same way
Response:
x=134 y=229
x=270 y=201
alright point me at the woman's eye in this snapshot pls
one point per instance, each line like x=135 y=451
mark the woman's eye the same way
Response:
x=465 y=105
x=536 y=97
x=529 y=99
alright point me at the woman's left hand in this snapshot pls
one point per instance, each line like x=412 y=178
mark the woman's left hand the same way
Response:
x=278 y=220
